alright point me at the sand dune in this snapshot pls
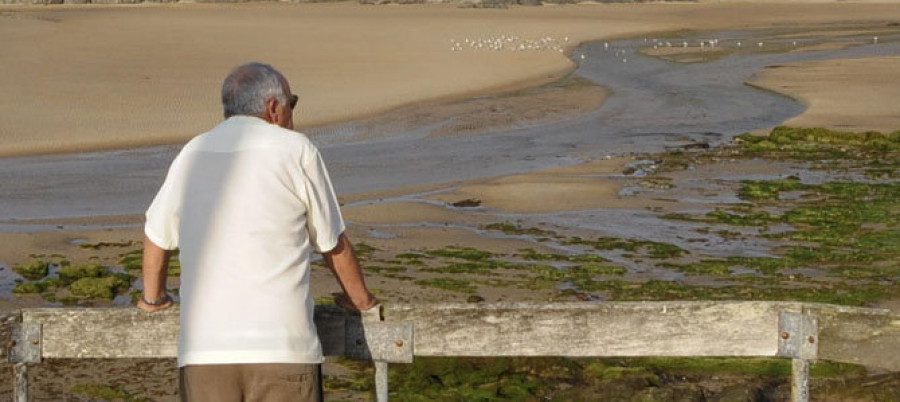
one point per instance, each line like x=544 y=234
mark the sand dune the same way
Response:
x=80 y=78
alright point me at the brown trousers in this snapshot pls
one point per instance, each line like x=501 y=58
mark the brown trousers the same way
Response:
x=250 y=383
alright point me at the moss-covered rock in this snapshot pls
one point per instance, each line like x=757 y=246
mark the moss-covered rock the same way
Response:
x=101 y=288
x=29 y=287
x=73 y=273
x=33 y=270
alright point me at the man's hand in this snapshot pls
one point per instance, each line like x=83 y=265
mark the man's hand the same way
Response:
x=341 y=299
x=141 y=304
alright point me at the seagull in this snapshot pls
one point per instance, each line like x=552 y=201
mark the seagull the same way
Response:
x=759 y=44
x=875 y=39
x=582 y=57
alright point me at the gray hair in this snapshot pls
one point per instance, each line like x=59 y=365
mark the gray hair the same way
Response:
x=248 y=87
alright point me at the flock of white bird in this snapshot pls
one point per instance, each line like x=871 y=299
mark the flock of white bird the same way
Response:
x=514 y=43
x=510 y=43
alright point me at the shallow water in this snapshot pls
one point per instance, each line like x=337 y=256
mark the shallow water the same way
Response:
x=655 y=103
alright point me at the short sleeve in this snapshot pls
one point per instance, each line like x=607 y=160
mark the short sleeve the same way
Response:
x=323 y=214
x=162 y=216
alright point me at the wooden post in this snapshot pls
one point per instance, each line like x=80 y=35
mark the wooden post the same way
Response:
x=381 y=367
x=381 y=381
x=799 y=380
x=20 y=392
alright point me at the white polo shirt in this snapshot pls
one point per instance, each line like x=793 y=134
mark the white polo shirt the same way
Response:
x=246 y=203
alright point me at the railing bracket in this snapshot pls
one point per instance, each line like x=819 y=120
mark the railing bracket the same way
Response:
x=26 y=343
x=798 y=335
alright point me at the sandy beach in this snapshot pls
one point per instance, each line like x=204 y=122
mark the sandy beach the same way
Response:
x=858 y=100
x=98 y=77
x=75 y=80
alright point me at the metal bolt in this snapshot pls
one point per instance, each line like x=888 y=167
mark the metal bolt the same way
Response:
x=812 y=339
x=399 y=343
x=785 y=335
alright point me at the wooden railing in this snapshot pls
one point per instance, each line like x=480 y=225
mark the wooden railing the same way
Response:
x=803 y=332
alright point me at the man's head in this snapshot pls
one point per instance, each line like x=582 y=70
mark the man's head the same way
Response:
x=256 y=89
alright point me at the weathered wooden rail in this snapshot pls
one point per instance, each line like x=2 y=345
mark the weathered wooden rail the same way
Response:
x=803 y=332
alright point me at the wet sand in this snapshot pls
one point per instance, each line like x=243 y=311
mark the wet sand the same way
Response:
x=99 y=77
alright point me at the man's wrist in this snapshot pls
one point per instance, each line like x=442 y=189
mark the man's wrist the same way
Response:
x=366 y=304
x=156 y=301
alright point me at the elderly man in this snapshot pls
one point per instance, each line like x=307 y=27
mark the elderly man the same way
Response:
x=247 y=202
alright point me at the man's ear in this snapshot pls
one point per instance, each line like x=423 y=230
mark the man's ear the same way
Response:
x=271 y=110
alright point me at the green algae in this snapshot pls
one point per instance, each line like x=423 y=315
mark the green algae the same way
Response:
x=72 y=273
x=825 y=292
x=364 y=251
x=132 y=261
x=455 y=285
x=100 y=288
x=78 y=282
x=34 y=270
x=29 y=287
x=429 y=379
x=516 y=230
x=847 y=229
x=463 y=253
x=382 y=269
x=552 y=378
x=104 y=244
x=532 y=255
x=412 y=256
x=758 y=190
x=597 y=269
x=652 y=248
x=706 y=267
x=760 y=218
x=721 y=267
x=460 y=268
x=818 y=143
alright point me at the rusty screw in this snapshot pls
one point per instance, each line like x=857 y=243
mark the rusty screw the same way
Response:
x=812 y=339
x=785 y=335
x=399 y=343
x=35 y=341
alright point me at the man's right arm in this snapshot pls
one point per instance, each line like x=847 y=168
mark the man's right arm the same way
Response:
x=155 y=264
x=343 y=263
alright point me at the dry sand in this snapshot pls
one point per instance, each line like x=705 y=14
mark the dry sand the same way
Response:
x=849 y=95
x=78 y=78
